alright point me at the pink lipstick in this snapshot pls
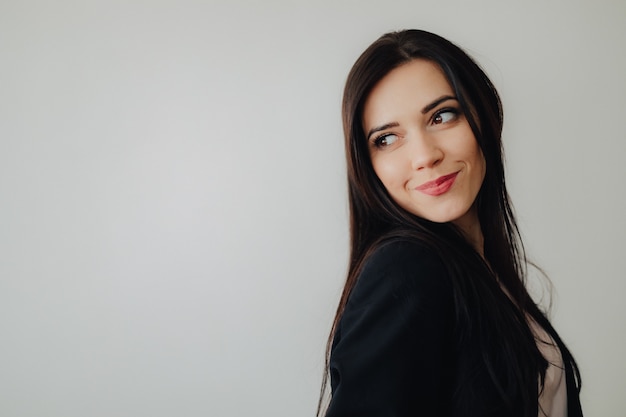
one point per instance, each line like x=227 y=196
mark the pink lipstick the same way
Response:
x=439 y=186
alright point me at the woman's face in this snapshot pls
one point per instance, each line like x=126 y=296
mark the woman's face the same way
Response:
x=421 y=145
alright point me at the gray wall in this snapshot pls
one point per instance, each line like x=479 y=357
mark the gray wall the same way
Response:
x=173 y=218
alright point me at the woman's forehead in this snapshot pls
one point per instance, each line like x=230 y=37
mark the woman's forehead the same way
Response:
x=409 y=88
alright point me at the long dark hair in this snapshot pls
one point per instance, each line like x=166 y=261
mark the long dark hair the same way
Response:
x=375 y=218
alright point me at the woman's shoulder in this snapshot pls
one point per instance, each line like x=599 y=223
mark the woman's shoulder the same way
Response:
x=392 y=347
x=402 y=267
x=405 y=249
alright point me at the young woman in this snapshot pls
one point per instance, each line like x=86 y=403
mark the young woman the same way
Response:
x=435 y=319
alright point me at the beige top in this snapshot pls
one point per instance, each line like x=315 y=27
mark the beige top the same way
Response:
x=553 y=397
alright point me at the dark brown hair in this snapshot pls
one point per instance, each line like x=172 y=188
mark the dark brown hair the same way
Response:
x=376 y=218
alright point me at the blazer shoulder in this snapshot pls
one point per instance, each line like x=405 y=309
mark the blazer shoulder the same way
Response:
x=402 y=268
x=392 y=348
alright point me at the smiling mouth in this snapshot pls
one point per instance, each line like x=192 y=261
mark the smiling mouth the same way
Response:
x=439 y=186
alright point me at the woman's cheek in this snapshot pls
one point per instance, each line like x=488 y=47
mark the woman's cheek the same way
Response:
x=390 y=172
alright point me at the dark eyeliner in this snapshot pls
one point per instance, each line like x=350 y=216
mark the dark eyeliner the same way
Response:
x=453 y=110
x=377 y=140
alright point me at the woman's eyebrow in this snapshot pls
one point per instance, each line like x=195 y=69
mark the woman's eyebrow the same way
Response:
x=437 y=102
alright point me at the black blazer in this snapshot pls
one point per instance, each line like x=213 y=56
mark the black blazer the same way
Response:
x=394 y=352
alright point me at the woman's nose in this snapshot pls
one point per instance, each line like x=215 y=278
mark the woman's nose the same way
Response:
x=425 y=152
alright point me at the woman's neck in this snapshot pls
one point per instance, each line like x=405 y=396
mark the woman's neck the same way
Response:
x=470 y=227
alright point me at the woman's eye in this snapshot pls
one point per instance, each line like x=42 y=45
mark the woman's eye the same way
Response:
x=444 y=116
x=385 y=140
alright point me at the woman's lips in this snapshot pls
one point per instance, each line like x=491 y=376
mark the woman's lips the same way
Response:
x=438 y=186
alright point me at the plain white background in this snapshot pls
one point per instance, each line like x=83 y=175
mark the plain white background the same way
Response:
x=173 y=216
